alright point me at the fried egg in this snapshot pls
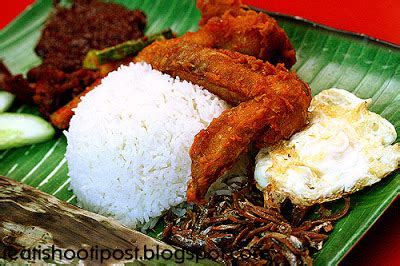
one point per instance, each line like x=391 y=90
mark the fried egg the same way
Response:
x=343 y=149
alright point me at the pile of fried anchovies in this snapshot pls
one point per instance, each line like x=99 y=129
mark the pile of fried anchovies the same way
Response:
x=238 y=229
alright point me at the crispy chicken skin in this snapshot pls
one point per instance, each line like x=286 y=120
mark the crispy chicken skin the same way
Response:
x=272 y=102
x=217 y=148
x=216 y=8
x=228 y=24
x=232 y=76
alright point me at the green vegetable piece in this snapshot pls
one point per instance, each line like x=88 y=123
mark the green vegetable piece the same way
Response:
x=95 y=58
x=18 y=130
x=6 y=100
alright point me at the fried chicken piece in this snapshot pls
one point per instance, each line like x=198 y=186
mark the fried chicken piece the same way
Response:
x=217 y=148
x=216 y=8
x=273 y=103
x=232 y=76
x=228 y=24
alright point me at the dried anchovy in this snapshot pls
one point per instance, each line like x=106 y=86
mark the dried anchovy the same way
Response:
x=240 y=224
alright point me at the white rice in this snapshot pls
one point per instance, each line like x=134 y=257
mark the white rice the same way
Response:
x=129 y=140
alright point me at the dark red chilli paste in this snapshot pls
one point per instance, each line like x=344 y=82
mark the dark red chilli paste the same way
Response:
x=68 y=35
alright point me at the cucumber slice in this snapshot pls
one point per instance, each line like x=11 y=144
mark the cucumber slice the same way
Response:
x=18 y=130
x=6 y=99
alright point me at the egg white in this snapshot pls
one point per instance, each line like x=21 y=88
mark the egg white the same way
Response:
x=343 y=149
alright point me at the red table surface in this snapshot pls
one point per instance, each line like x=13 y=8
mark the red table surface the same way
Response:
x=380 y=19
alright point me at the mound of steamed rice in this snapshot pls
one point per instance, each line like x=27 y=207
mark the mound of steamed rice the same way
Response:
x=129 y=140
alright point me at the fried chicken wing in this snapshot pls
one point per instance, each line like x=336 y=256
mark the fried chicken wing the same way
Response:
x=232 y=76
x=222 y=56
x=272 y=102
x=228 y=24
x=216 y=8
x=217 y=148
